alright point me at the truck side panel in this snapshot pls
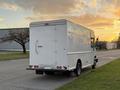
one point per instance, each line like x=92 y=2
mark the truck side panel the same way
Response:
x=79 y=45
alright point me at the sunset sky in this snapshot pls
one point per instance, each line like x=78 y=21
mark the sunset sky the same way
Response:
x=102 y=16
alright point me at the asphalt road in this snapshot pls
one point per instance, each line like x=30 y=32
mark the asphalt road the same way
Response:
x=14 y=76
x=107 y=56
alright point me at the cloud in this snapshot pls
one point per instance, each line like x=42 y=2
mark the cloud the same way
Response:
x=64 y=7
x=84 y=11
x=101 y=24
x=9 y=5
x=49 y=6
x=98 y=15
x=93 y=20
x=109 y=8
x=117 y=12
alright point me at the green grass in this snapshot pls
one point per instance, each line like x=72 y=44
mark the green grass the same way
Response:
x=13 y=55
x=106 y=77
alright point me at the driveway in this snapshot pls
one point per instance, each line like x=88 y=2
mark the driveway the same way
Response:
x=14 y=76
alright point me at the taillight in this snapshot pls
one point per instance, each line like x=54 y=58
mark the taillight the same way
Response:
x=36 y=66
x=30 y=66
x=59 y=67
x=62 y=67
x=65 y=67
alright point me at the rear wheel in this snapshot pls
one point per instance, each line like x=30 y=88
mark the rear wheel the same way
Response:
x=78 y=69
x=67 y=73
x=94 y=65
x=38 y=72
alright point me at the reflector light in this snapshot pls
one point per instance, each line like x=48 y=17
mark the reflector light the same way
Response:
x=36 y=66
x=62 y=67
x=59 y=67
x=65 y=67
x=30 y=66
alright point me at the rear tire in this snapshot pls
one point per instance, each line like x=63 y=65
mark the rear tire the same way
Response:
x=67 y=73
x=38 y=72
x=94 y=65
x=78 y=69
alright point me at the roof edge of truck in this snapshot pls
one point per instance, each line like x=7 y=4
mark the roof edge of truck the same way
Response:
x=47 y=23
x=55 y=22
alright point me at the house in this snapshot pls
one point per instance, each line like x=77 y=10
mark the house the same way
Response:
x=111 y=45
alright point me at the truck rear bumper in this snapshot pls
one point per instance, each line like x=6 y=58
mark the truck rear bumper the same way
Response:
x=43 y=70
x=47 y=68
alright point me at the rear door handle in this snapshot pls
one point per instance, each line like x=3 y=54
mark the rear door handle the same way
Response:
x=39 y=46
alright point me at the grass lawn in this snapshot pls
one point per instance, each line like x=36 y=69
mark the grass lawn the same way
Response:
x=106 y=77
x=13 y=55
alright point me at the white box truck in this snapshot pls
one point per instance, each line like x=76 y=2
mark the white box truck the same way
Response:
x=60 y=45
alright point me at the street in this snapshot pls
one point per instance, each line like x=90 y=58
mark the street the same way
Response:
x=14 y=76
x=107 y=56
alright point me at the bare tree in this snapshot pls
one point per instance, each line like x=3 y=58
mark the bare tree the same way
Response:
x=19 y=36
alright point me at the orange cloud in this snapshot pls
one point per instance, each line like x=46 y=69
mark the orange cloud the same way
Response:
x=101 y=24
x=103 y=27
x=99 y=15
x=93 y=20
x=117 y=12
